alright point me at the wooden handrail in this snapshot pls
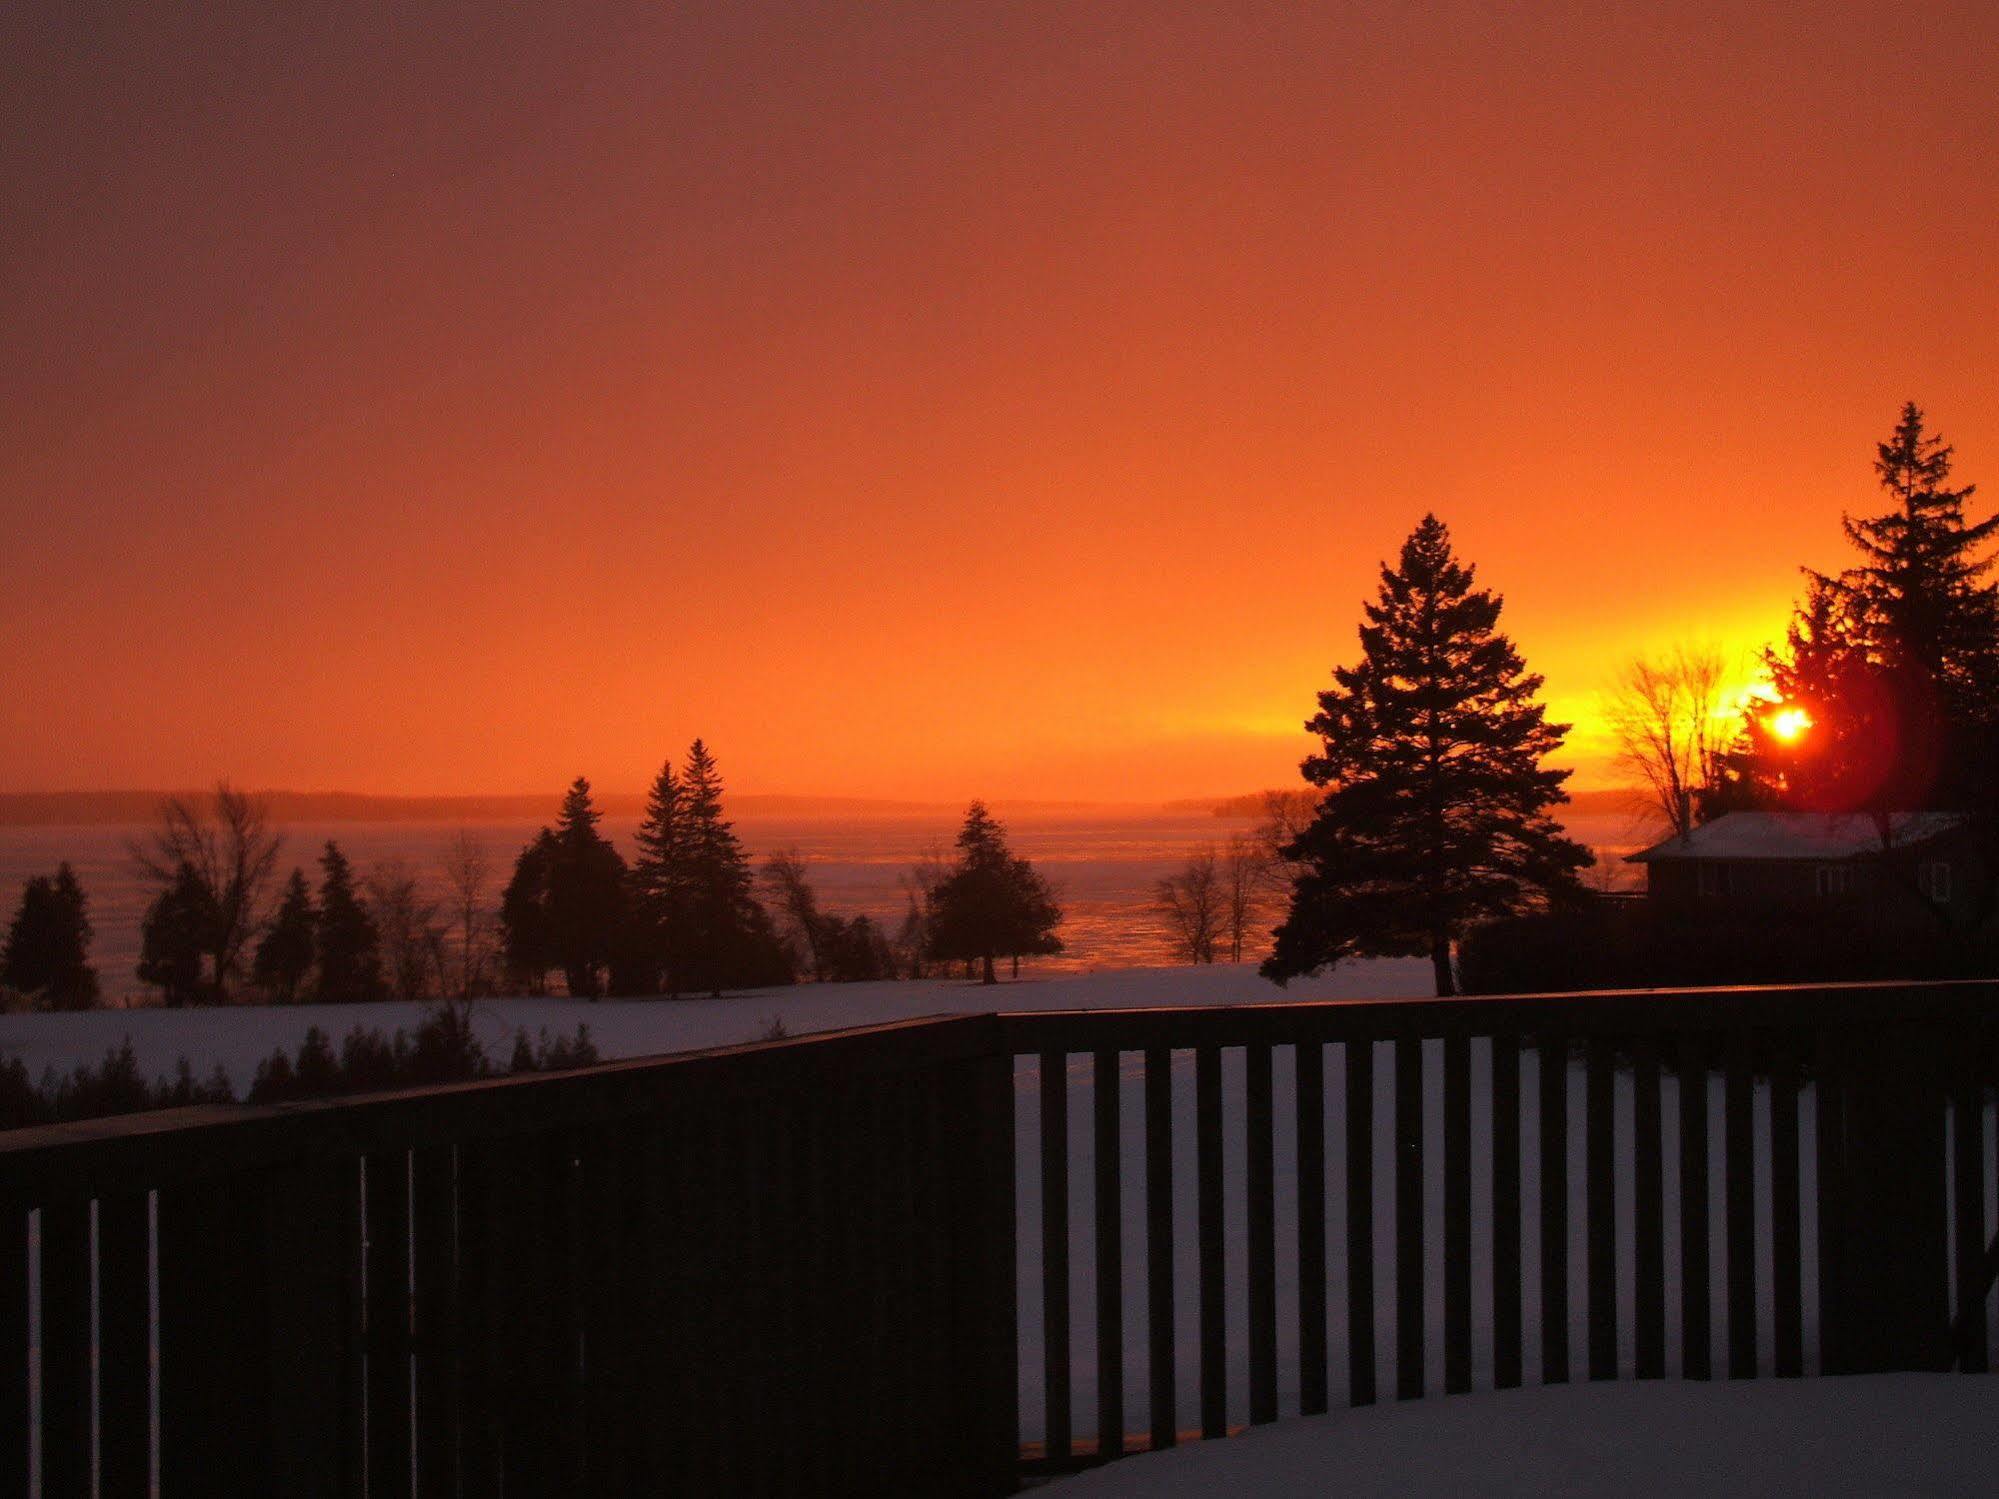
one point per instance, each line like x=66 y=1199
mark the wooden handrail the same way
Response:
x=1619 y=1012
x=96 y=1157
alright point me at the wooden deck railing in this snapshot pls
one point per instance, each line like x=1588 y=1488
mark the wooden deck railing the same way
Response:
x=1841 y=1138
x=813 y=1266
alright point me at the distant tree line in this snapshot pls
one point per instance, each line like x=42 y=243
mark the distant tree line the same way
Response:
x=350 y=939
x=442 y=1049
x=686 y=915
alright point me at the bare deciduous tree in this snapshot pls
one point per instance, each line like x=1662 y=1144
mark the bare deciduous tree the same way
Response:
x=1195 y=905
x=412 y=941
x=1665 y=715
x=230 y=851
x=468 y=873
x=1245 y=876
x=789 y=890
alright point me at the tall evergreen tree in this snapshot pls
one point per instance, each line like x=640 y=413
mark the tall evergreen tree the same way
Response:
x=527 y=945
x=348 y=948
x=284 y=955
x=1896 y=659
x=1436 y=808
x=1921 y=584
x=658 y=880
x=47 y=951
x=585 y=895
x=725 y=938
x=989 y=903
x=176 y=934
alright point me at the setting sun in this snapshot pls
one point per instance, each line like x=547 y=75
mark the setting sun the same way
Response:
x=1788 y=724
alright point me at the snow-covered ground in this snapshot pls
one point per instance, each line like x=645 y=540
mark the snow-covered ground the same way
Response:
x=1869 y=1437
x=240 y=1036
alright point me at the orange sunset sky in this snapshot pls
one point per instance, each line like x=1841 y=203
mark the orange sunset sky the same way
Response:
x=932 y=400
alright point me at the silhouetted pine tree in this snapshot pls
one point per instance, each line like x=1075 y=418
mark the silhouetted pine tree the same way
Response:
x=1435 y=815
x=526 y=942
x=347 y=948
x=47 y=951
x=177 y=931
x=585 y=895
x=1850 y=752
x=989 y=904
x=657 y=882
x=284 y=955
x=1896 y=660
x=724 y=937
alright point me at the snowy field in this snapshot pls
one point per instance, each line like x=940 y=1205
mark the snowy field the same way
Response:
x=238 y=1037
x=1872 y=1437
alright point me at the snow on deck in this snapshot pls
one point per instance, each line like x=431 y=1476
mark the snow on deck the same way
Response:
x=1869 y=1437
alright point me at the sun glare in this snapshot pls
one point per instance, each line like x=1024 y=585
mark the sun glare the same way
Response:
x=1788 y=724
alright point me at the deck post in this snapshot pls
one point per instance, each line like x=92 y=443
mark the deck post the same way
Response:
x=1884 y=1219
x=979 y=1139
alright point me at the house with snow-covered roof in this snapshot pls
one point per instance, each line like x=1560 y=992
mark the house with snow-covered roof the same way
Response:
x=1908 y=867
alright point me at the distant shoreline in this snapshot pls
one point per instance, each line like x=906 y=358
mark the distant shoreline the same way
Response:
x=19 y=809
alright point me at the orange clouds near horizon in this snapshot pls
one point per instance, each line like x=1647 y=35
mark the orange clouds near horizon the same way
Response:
x=920 y=402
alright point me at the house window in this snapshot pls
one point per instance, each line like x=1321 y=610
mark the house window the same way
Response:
x=1934 y=878
x=1834 y=879
x=1712 y=878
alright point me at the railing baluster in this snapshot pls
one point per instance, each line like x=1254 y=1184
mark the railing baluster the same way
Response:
x=530 y=1358
x=1457 y=1215
x=483 y=1305
x=981 y=1350
x=1696 y=1335
x=389 y=1434
x=1159 y=1247
x=1554 y=1127
x=1360 y=1222
x=434 y=1233
x=124 y=1315
x=1600 y=1206
x=1310 y=1098
x=312 y=1261
x=1968 y=1172
x=1648 y=1211
x=1786 y=1233
x=1258 y=1137
x=900 y=1289
x=1409 y=1372
x=818 y=1349
x=66 y=1381
x=1109 y=1214
x=14 y=1407
x=1506 y=1266
x=1738 y=1104
x=1208 y=1176
x=611 y=1305
x=1055 y=1252
x=1825 y=1204
x=215 y=1337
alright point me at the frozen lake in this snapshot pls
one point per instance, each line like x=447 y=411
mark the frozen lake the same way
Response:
x=1104 y=864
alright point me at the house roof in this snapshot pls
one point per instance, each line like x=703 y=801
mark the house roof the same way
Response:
x=1796 y=835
